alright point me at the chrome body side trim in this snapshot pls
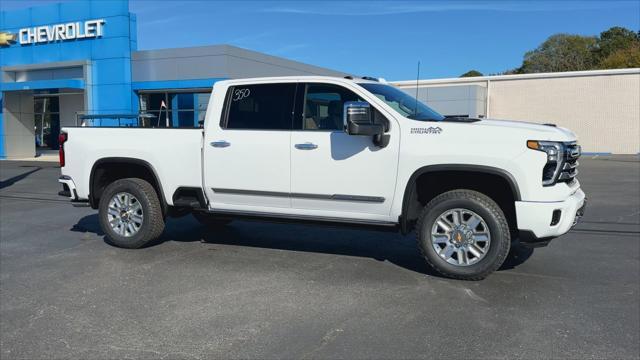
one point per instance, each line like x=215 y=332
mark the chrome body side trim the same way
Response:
x=337 y=197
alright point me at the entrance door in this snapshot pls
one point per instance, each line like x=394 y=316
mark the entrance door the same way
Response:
x=47 y=121
x=334 y=174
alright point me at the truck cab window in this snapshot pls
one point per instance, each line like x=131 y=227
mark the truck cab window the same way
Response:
x=323 y=106
x=260 y=107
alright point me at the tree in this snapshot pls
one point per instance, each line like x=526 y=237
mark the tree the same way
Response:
x=622 y=59
x=615 y=39
x=561 y=52
x=615 y=48
x=471 y=73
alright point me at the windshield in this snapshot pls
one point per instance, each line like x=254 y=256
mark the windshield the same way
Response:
x=405 y=104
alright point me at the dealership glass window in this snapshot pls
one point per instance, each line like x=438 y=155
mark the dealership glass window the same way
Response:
x=46 y=116
x=203 y=102
x=181 y=109
x=260 y=107
x=174 y=109
x=184 y=101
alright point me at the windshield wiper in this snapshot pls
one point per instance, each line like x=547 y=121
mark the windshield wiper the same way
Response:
x=461 y=119
x=416 y=117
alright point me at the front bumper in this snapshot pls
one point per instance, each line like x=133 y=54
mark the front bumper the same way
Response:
x=536 y=220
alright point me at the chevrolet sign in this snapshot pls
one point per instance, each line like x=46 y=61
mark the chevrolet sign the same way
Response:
x=60 y=32
x=7 y=38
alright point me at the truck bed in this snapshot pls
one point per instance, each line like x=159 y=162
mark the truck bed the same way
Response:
x=174 y=154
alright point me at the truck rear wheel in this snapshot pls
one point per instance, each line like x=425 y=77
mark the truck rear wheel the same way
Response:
x=130 y=213
x=463 y=234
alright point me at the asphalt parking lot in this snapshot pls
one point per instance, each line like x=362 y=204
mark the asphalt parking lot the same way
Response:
x=260 y=290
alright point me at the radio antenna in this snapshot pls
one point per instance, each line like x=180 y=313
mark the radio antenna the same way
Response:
x=415 y=111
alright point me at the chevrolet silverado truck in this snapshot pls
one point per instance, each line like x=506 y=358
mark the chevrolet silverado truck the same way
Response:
x=337 y=151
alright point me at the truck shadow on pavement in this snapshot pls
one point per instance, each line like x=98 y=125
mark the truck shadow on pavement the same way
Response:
x=382 y=246
x=88 y=224
x=17 y=178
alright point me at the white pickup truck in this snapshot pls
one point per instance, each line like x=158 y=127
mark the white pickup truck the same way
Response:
x=335 y=151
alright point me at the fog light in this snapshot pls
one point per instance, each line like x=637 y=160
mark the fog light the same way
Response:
x=555 y=218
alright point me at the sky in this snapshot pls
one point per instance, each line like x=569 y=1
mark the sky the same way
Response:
x=376 y=38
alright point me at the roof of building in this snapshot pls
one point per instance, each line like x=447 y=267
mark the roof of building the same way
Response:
x=519 y=76
x=216 y=61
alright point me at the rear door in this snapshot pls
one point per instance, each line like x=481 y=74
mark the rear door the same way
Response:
x=247 y=153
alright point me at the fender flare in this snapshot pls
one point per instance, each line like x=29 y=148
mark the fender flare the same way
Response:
x=410 y=187
x=126 y=160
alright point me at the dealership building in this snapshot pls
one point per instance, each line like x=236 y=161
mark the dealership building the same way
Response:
x=63 y=60
x=75 y=63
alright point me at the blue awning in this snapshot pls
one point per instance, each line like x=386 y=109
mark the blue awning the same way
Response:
x=43 y=84
x=175 y=84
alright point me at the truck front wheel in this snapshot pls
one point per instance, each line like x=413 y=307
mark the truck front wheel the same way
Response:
x=463 y=234
x=130 y=213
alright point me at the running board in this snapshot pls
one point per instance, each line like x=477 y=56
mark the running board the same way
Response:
x=308 y=219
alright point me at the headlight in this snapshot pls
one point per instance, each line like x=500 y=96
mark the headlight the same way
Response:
x=555 y=159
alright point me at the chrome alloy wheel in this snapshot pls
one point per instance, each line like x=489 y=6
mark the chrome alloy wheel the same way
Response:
x=460 y=237
x=125 y=214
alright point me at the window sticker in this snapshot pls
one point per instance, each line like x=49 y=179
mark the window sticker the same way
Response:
x=239 y=94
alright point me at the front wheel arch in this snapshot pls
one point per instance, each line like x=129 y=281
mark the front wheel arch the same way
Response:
x=487 y=180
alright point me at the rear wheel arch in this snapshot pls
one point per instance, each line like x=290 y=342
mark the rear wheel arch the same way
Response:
x=107 y=170
x=457 y=176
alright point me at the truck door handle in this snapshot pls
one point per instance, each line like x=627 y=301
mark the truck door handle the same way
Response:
x=306 y=146
x=220 y=144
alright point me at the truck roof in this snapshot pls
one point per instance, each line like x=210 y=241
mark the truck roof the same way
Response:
x=305 y=78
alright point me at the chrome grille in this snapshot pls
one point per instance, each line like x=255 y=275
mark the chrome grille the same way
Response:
x=572 y=152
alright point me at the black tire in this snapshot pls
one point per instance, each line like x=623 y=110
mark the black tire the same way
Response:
x=492 y=215
x=210 y=220
x=153 y=221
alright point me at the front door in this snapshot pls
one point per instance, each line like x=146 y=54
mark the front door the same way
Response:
x=247 y=157
x=334 y=174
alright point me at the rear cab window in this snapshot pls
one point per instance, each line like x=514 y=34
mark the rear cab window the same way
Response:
x=259 y=107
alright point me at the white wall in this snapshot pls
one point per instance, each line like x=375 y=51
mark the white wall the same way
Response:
x=69 y=105
x=604 y=111
x=602 y=107
x=19 y=132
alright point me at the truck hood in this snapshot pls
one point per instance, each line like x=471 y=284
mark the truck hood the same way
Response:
x=537 y=131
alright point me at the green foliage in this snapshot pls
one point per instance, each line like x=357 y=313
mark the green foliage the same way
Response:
x=622 y=59
x=615 y=48
x=471 y=73
x=561 y=52
x=616 y=39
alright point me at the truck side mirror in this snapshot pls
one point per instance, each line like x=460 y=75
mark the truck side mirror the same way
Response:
x=358 y=121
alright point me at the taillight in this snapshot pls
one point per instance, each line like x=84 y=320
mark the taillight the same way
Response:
x=62 y=138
